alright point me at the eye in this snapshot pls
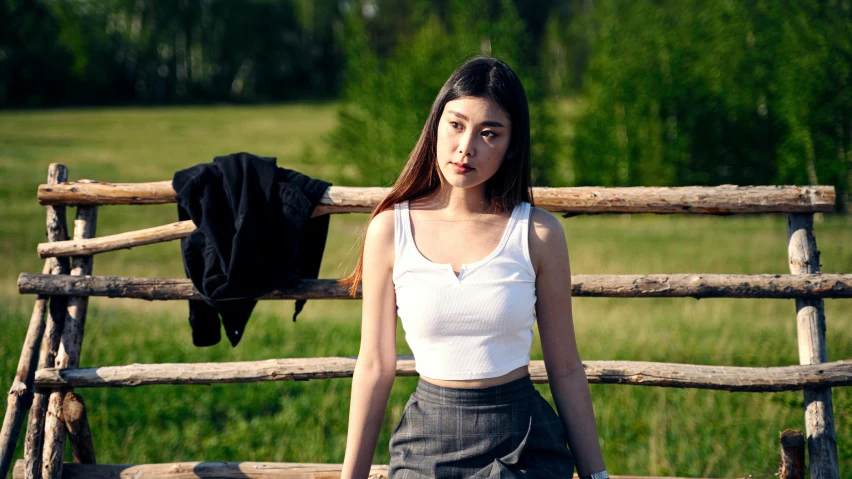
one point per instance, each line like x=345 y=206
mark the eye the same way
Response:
x=489 y=134
x=456 y=125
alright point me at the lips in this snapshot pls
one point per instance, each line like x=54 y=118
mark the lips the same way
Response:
x=460 y=168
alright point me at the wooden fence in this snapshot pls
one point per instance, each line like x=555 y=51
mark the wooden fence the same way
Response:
x=49 y=365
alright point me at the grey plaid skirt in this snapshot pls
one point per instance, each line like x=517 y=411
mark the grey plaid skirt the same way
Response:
x=505 y=431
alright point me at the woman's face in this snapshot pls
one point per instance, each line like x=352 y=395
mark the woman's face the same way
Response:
x=473 y=136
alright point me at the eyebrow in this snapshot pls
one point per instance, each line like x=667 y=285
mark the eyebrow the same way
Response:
x=484 y=123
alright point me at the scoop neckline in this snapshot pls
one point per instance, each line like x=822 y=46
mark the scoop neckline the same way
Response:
x=465 y=266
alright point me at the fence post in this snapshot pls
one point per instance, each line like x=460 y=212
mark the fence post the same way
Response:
x=57 y=230
x=21 y=394
x=77 y=423
x=792 y=455
x=803 y=257
x=68 y=355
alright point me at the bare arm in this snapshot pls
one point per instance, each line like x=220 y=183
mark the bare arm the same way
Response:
x=568 y=382
x=376 y=366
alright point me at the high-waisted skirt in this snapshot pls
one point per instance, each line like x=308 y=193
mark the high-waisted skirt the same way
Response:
x=505 y=431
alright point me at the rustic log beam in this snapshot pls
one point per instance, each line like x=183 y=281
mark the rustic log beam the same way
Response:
x=792 y=455
x=228 y=470
x=21 y=393
x=57 y=230
x=222 y=470
x=158 y=234
x=726 y=378
x=70 y=345
x=163 y=288
x=725 y=199
x=100 y=193
x=803 y=257
x=127 y=240
x=34 y=441
x=77 y=424
x=588 y=285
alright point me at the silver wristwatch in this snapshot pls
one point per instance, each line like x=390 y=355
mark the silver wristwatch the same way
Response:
x=598 y=475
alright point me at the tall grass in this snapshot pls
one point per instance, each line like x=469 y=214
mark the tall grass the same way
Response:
x=653 y=431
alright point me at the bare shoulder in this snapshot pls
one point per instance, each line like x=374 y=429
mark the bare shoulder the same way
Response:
x=546 y=238
x=379 y=240
x=382 y=225
x=545 y=224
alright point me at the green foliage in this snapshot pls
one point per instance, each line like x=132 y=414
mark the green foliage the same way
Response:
x=814 y=92
x=388 y=97
x=658 y=92
x=32 y=64
x=683 y=92
x=667 y=100
x=161 y=51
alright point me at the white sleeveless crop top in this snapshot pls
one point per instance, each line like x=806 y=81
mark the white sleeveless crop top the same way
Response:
x=474 y=326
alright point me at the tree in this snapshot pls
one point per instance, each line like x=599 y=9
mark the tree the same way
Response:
x=388 y=97
x=689 y=92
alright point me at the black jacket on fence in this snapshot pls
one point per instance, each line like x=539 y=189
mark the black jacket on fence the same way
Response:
x=254 y=234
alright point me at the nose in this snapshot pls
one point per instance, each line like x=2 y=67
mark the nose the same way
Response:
x=466 y=146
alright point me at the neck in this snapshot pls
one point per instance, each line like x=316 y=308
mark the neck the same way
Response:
x=462 y=201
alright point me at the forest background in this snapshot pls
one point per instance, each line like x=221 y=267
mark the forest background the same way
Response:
x=645 y=92
x=663 y=93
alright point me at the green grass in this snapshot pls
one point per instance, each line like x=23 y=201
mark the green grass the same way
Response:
x=648 y=431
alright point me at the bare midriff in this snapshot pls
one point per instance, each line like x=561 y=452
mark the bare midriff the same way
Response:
x=480 y=383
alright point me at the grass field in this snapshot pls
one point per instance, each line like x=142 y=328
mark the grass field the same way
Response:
x=649 y=431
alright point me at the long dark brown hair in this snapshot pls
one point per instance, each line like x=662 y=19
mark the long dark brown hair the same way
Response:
x=480 y=77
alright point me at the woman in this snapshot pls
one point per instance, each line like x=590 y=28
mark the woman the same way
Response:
x=459 y=253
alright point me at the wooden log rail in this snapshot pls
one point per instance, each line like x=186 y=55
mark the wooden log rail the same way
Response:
x=22 y=396
x=725 y=199
x=724 y=378
x=717 y=200
x=103 y=244
x=189 y=470
x=242 y=470
x=588 y=285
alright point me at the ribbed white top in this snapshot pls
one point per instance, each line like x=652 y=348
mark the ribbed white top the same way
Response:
x=477 y=325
